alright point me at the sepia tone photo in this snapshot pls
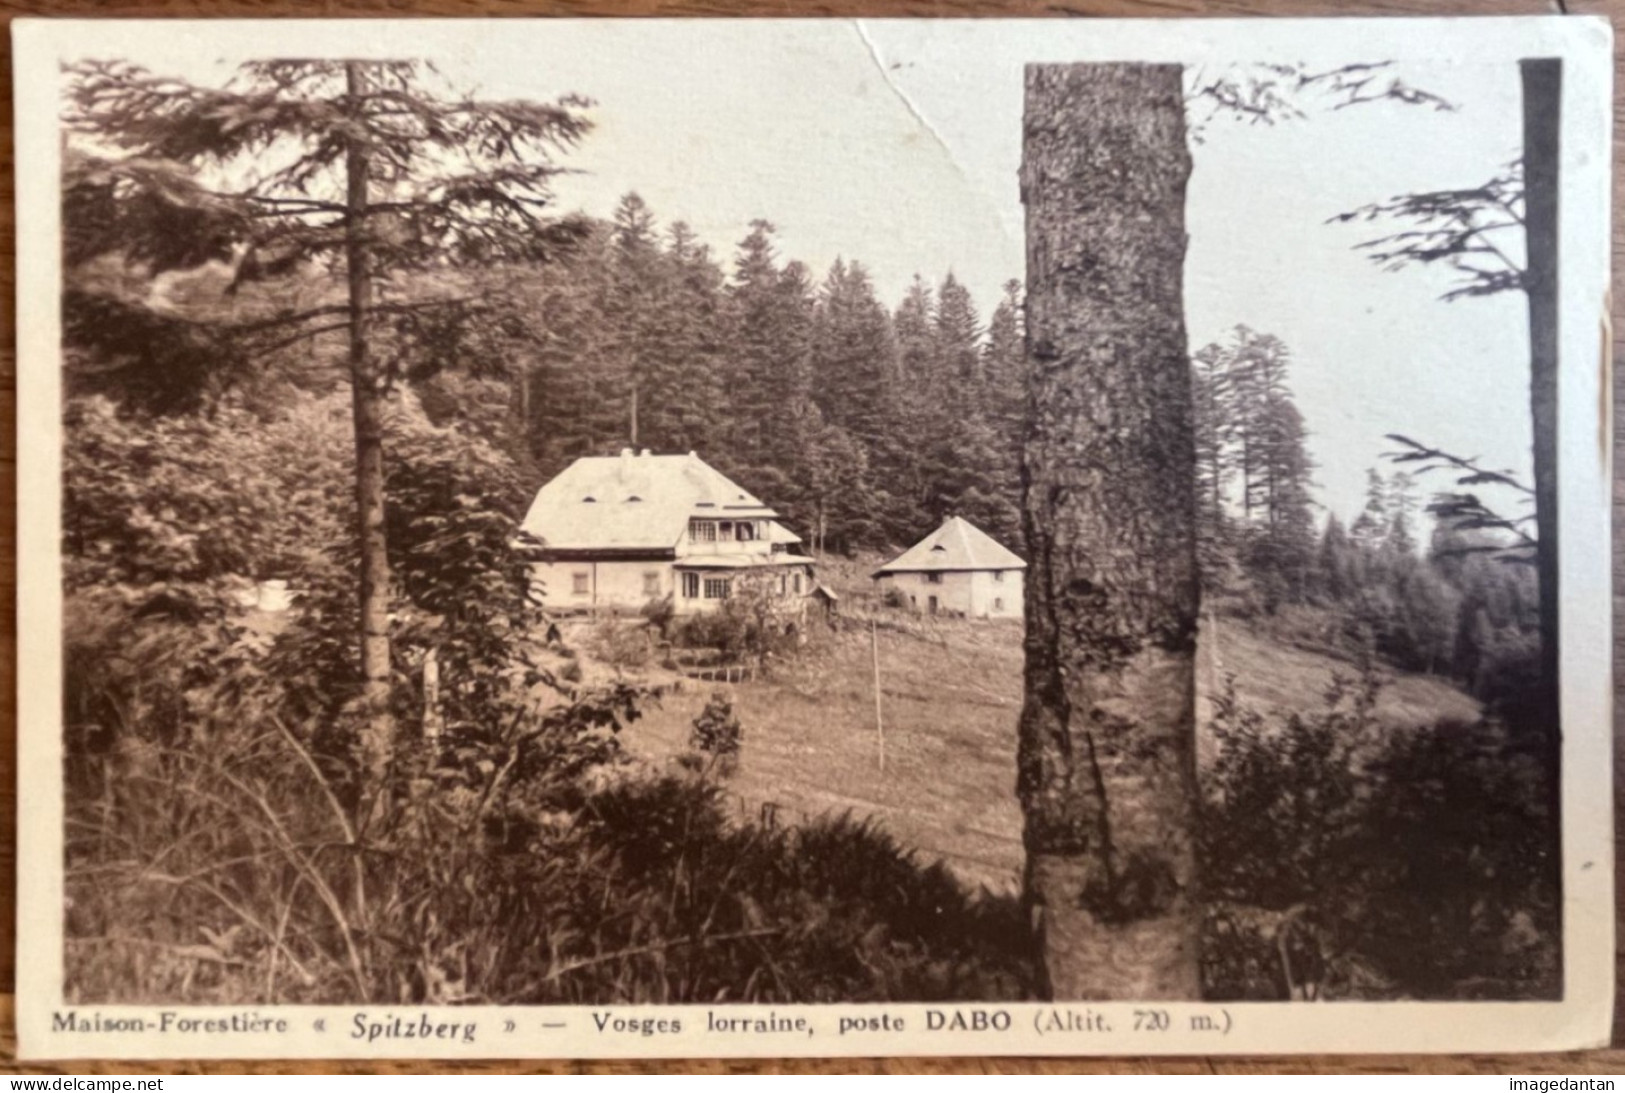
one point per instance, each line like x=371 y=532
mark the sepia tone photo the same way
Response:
x=904 y=517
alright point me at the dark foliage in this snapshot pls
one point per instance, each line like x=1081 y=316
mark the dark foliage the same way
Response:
x=717 y=733
x=865 y=427
x=1346 y=862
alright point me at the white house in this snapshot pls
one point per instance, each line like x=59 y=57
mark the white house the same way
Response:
x=957 y=569
x=618 y=531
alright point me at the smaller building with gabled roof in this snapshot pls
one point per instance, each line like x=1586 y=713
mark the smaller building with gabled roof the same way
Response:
x=958 y=569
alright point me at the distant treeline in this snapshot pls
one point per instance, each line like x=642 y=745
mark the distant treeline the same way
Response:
x=1463 y=604
x=864 y=425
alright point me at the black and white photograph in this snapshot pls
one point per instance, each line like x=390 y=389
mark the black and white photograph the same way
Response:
x=815 y=537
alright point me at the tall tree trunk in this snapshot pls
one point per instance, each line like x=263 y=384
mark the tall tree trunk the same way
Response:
x=1107 y=759
x=1542 y=123
x=367 y=394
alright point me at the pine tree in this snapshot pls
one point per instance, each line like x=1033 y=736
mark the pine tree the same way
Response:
x=1213 y=417
x=1283 y=544
x=1370 y=529
x=755 y=345
x=1335 y=566
x=923 y=420
x=376 y=173
x=855 y=386
x=1401 y=513
x=1004 y=357
x=1251 y=437
x=633 y=312
x=969 y=483
x=685 y=407
x=768 y=370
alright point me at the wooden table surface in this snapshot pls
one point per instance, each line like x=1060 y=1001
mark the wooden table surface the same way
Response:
x=1595 y=1062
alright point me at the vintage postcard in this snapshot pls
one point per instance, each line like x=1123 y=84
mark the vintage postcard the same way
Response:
x=826 y=537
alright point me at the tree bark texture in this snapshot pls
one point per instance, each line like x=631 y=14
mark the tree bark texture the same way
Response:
x=1107 y=753
x=1542 y=147
x=377 y=743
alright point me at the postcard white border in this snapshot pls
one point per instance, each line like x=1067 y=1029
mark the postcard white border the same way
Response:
x=1582 y=1019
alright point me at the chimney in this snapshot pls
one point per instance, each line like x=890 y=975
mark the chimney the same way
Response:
x=643 y=453
x=626 y=453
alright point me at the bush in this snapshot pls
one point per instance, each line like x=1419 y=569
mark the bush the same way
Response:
x=1342 y=863
x=226 y=873
x=745 y=626
x=717 y=733
x=829 y=912
x=624 y=646
x=659 y=612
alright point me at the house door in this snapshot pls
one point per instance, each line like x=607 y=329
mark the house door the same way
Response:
x=931 y=604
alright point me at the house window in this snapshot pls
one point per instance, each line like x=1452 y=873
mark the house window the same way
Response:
x=581 y=583
x=725 y=530
x=998 y=605
x=783 y=584
x=998 y=574
x=933 y=578
x=744 y=532
x=716 y=588
x=797 y=585
x=691 y=586
x=702 y=531
x=651 y=583
x=931 y=604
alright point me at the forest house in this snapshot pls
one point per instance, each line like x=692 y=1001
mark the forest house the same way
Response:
x=615 y=532
x=957 y=569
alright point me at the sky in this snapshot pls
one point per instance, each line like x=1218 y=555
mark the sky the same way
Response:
x=898 y=143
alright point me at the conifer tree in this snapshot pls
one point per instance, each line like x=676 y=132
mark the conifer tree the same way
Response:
x=1334 y=567
x=1401 y=514
x=1213 y=418
x=756 y=345
x=360 y=165
x=634 y=309
x=685 y=405
x=969 y=456
x=855 y=385
x=1004 y=357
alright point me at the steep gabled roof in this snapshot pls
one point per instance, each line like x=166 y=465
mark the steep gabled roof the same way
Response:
x=633 y=502
x=956 y=545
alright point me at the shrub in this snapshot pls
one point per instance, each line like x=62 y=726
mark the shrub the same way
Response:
x=489 y=887
x=747 y=625
x=831 y=911
x=1339 y=862
x=659 y=612
x=717 y=733
x=624 y=646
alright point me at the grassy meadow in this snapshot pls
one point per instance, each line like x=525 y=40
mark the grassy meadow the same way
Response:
x=950 y=695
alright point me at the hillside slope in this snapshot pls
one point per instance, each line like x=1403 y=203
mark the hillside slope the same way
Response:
x=950 y=698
